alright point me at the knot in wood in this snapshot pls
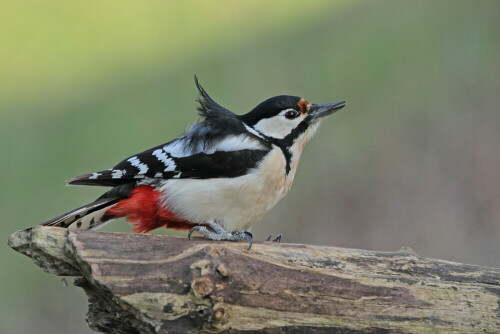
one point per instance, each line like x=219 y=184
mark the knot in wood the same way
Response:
x=222 y=270
x=204 y=266
x=202 y=286
x=219 y=311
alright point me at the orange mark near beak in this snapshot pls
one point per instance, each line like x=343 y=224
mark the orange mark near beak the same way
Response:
x=303 y=106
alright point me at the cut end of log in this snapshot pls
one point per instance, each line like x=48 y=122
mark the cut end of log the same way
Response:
x=20 y=241
x=140 y=283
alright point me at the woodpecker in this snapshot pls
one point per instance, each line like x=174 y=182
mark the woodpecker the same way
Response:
x=218 y=178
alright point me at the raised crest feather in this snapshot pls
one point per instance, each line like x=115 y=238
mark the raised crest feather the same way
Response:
x=208 y=107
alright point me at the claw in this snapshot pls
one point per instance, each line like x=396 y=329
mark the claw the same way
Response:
x=249 y=237
x=196 y=228
x=278 y=238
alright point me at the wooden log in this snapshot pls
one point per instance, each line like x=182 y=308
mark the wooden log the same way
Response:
x=159 y=284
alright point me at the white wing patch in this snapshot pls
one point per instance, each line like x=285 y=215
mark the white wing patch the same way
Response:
x=177 y=148
x=143 y=168
x=163 y=157
x=236 y=143
x=228 y=144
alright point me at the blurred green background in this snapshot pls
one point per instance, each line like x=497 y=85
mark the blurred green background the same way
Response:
x=414 y=159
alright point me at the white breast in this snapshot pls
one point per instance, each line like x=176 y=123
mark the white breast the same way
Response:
x=235 y=203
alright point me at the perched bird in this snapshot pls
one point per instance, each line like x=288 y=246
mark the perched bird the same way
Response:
x=218 y=178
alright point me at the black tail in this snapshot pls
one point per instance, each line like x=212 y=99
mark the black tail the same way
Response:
x=86 y=217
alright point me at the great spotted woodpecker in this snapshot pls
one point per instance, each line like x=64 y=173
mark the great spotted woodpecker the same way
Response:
x=218 y=178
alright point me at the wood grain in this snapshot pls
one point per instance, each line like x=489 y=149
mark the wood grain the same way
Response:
x=158 y=284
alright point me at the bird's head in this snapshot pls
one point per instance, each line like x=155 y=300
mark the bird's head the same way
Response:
x=289 y=120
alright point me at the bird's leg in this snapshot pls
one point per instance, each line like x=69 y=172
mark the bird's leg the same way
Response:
x=277 y=239
x=218 y=233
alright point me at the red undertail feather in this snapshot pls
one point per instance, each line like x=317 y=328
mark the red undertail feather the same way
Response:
x=143 y=209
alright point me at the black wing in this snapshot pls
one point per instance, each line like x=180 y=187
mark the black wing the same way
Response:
x=158 y=164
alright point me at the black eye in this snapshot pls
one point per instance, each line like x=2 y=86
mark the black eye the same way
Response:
x=291 y=114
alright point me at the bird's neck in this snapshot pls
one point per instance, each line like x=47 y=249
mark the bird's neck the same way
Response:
x=295 y=151
x=300 y=142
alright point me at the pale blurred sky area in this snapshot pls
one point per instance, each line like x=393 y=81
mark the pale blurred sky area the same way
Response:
x=413 y=160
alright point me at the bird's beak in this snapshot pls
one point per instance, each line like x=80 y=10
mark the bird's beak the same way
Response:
x=325 y=109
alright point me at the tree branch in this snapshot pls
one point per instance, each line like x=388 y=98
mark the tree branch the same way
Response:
x=158 y=284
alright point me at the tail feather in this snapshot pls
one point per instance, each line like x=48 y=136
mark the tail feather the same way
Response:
x=90 y=216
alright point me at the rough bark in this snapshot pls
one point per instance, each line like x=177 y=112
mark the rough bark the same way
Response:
x=158 y=284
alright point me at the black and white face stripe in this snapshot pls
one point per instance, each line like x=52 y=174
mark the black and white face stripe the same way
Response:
x=305 y=128
x=280 y=126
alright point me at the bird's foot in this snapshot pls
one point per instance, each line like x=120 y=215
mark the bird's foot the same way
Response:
x=277 y=239
x=218 y=233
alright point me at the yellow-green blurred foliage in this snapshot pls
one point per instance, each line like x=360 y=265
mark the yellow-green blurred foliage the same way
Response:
x=414 y=159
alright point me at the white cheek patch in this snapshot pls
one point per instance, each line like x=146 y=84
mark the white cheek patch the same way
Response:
x=278 y=126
